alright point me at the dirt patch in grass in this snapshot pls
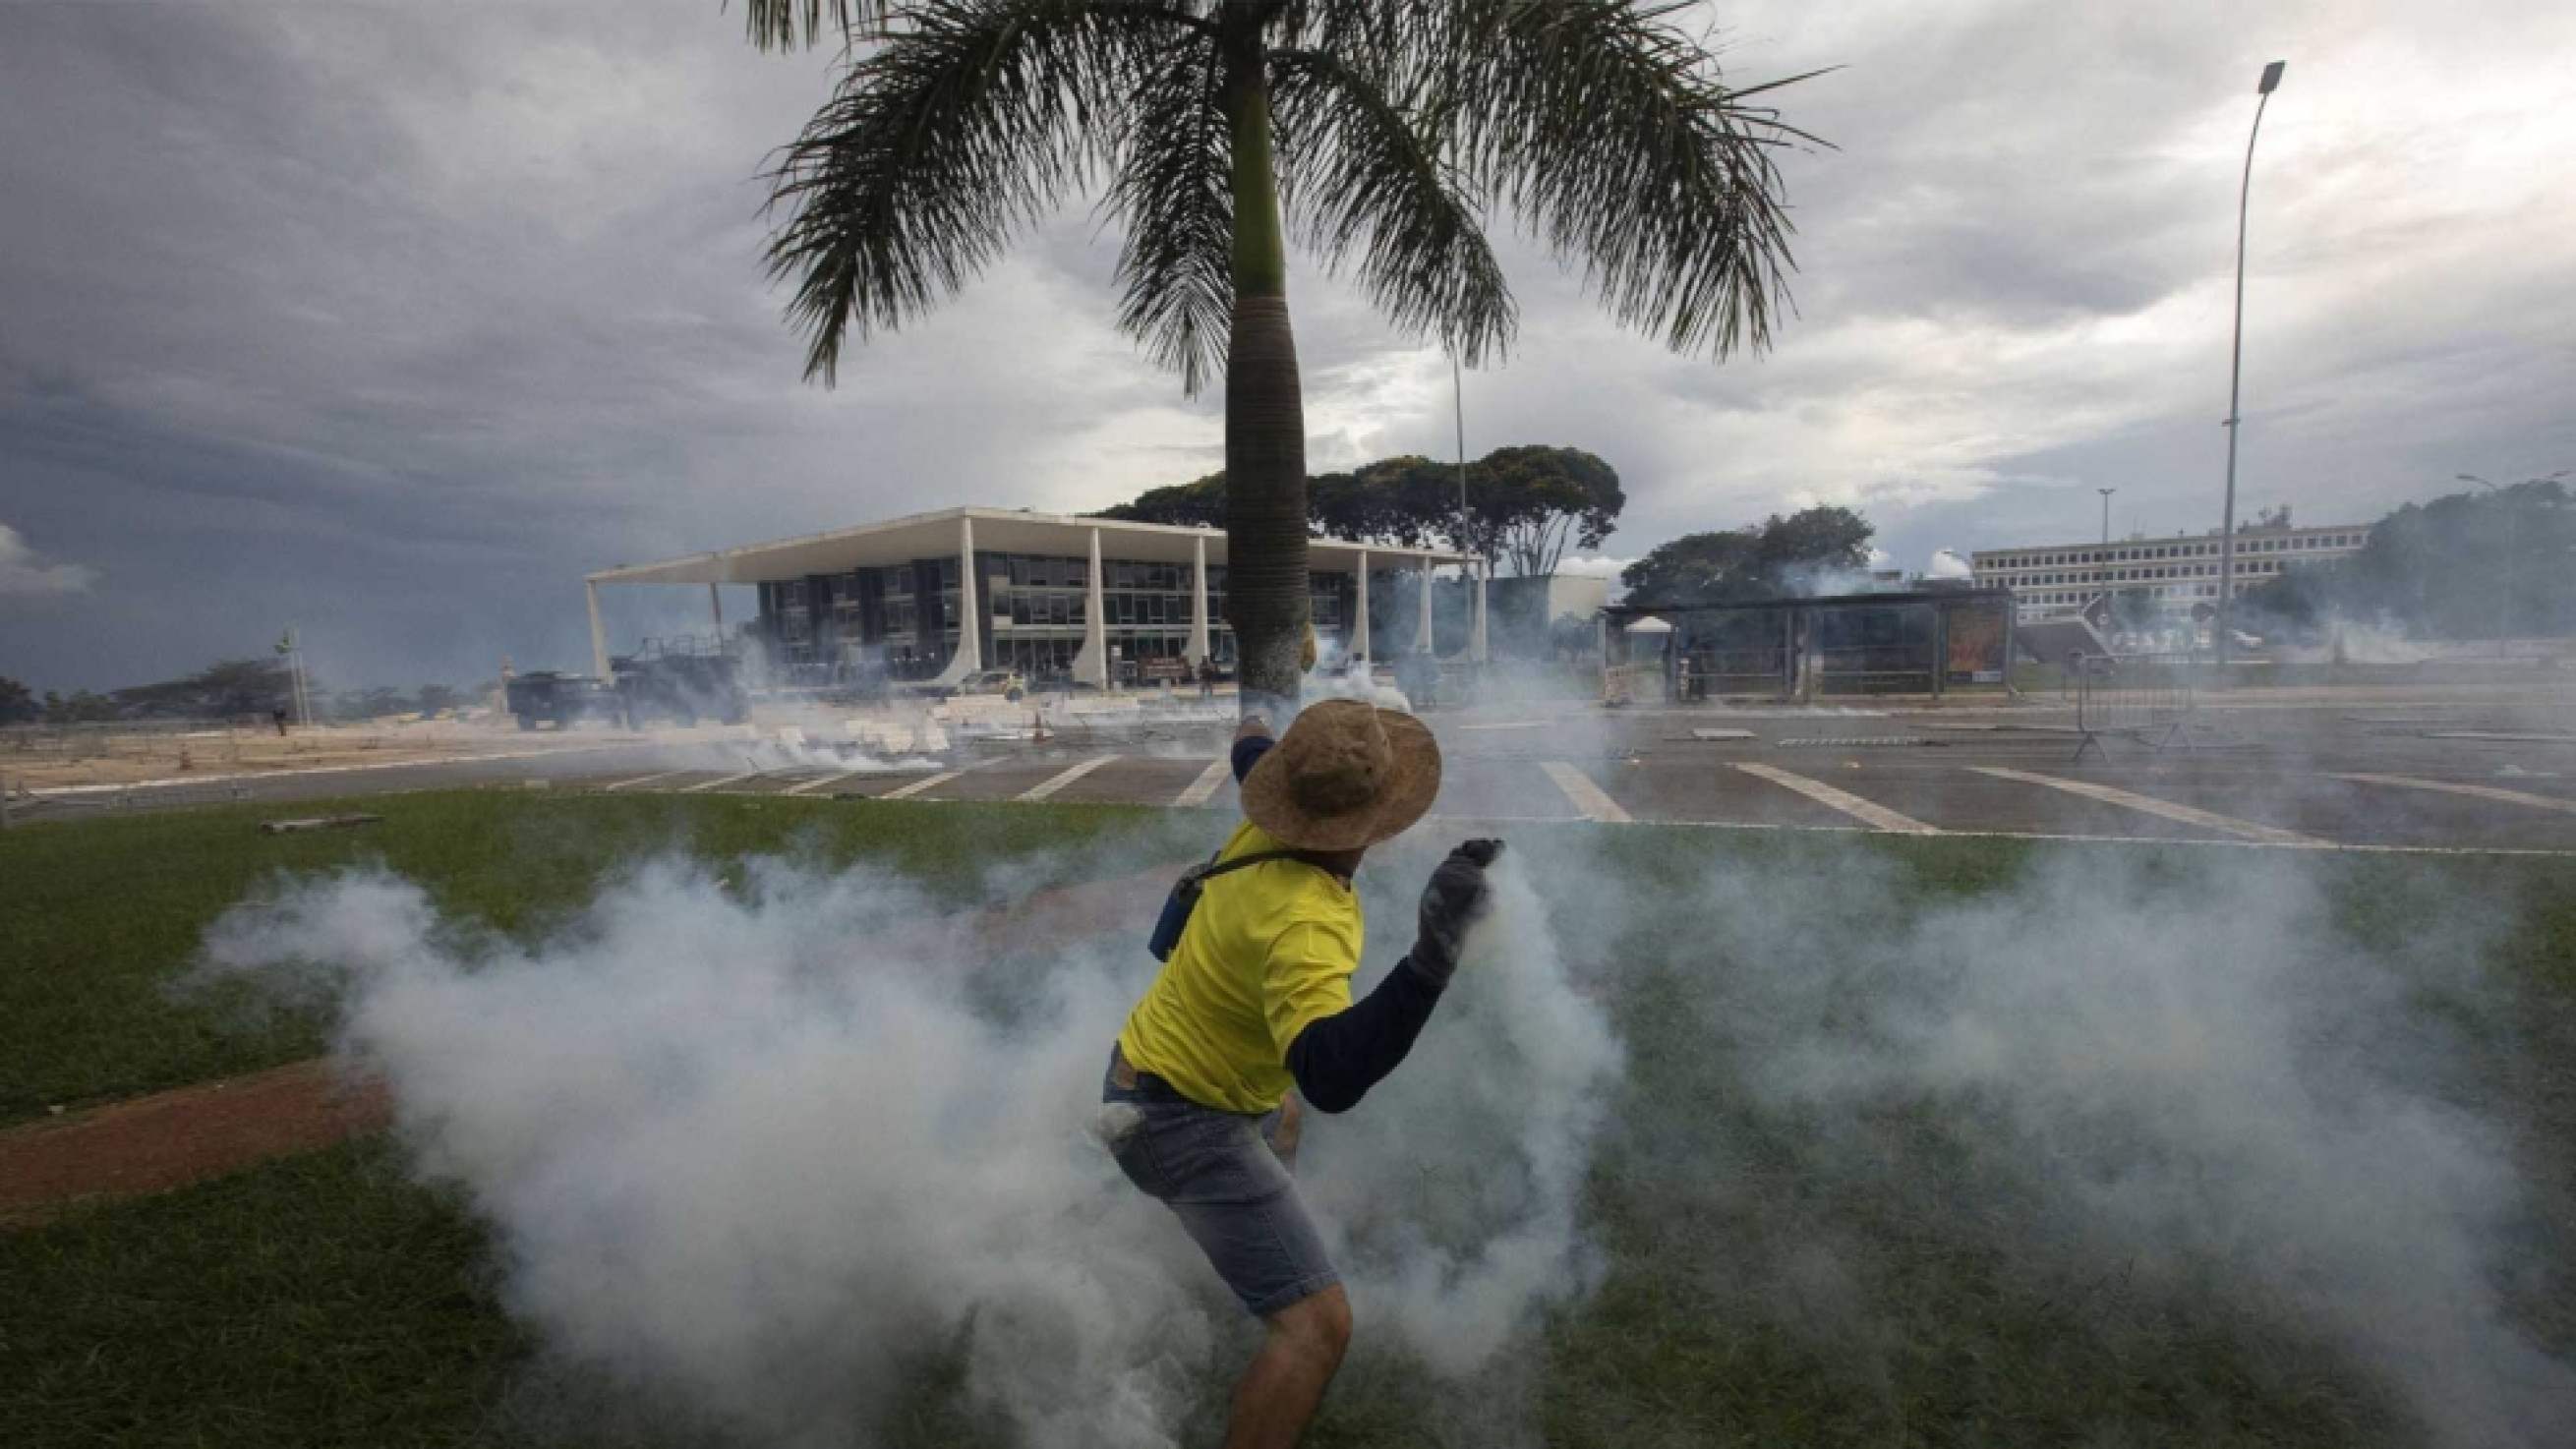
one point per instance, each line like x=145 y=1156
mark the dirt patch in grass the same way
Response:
x=171 y=1139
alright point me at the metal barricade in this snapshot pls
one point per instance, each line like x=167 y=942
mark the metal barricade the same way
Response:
x=2145 y=697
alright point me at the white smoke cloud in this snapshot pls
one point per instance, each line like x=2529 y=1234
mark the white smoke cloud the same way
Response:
x=2189 y=1081
x=766 y=1145
x=1594 y=567
x=769 y=1142
x=24 y=573
x=1948 y=564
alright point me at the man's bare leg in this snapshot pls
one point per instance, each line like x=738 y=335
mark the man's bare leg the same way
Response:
x=1277 y=1395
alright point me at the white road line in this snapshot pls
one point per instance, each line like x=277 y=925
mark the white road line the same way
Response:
x=906 y=792
x=706 y=785
x=293 y=773
x=1210 y=780
x=2148 y=804
x=819 y=782
x=1587 y=797
x=2144 y=842
x=643 y=780
x=2453 y=787
x=1044 y=788
x=1877 y=817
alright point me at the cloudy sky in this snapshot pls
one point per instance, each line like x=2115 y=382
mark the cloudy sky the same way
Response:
x=390 y=321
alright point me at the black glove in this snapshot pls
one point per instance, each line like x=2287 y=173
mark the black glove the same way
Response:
x=1451 y=903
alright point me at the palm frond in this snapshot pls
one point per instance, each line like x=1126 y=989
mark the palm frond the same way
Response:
x=1611 y=134
x=787 y=24
x=959 y=131
x=1362 y=174
x=1173 y=192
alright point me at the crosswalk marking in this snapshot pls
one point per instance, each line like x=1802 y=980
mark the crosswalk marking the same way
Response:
x=1045 y=788
x=1200 y=790
x=705 y=785
x=819 y=782
x=906 y=792
x=2458 y=787
x=1876 y=816
x=643 y=780
x=1587 y=797
x=2148 y=804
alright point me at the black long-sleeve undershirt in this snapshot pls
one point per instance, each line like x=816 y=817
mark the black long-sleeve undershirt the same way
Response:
x=1337 y=1058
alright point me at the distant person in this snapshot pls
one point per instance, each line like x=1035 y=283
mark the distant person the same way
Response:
x=1419 y=677
x=1207 y=677
x=1254 y=999
x=277 y=717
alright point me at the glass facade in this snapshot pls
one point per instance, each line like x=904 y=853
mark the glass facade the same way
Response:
x=1034 y=608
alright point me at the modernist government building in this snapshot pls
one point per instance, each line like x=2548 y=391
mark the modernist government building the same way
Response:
x=939 y=596
x=2176 y=572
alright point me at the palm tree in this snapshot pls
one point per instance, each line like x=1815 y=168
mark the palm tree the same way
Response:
x=1382 y=131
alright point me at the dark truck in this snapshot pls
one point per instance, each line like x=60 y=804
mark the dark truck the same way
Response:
x=545 y=695
x=681 y=682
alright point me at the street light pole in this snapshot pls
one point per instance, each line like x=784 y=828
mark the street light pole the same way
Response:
x=2106 y=511
x=2235 y=374
x=1475 y=597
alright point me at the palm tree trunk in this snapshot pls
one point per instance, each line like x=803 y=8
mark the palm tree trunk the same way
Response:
x=1265 y=417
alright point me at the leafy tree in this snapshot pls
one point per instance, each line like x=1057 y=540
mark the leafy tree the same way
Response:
x=17 y=702
x=225 y=687
x=1528 y=503
x=372 y=703
x=2467 y=565
x=1812 y=542
x=1777 y=557
x=1403 y=502
x=82 y=707
x=1697 y=568
x=1380 y=135
x=1199 y=503
x=435 y=697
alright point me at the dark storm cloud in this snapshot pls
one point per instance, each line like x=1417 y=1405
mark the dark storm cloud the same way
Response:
x=391 y=321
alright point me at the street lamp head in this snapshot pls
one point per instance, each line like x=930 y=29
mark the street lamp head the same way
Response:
x=2271 y=77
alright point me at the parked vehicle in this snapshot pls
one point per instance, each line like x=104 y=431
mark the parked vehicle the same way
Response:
x=1005 y=682
x=670 y=681
x=546 y=696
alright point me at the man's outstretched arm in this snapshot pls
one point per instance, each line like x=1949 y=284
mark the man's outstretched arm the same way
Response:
x=1337 y=1058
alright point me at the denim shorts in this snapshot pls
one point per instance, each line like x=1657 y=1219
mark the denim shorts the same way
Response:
x=1217 y=1173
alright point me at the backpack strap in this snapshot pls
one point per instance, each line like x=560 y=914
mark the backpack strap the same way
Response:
x=1198 y=874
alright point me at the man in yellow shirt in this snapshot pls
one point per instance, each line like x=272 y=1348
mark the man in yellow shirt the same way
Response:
x=1255 y=999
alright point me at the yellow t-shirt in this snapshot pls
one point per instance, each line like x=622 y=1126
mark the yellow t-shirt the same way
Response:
x=1269 y=948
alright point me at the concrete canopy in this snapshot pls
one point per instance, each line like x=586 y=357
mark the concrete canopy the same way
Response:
x=997 y=530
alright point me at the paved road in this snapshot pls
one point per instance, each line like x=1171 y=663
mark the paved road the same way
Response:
x=2433 y=774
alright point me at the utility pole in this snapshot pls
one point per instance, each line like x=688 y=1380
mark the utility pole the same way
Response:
x=295 y=671
x=2235 y=375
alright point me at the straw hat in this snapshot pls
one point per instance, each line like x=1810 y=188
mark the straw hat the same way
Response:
x=1346 y=775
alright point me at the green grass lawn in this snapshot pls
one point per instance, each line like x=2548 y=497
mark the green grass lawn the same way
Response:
x=329 y=1300
x=99 y=918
